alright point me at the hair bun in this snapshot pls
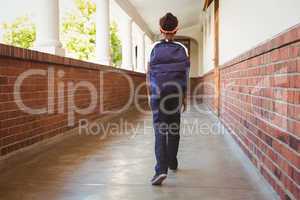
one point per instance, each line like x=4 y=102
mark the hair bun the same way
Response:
x=169 y=22
x=169 y=14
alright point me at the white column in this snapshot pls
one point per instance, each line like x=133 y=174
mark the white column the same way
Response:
x=144 y=53
x=47 y=27
x=127 y=56
x=102 y=32
x=141 y=54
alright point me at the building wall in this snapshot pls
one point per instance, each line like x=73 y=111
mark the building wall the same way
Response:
x=19 y=129
x=194 y=57
x=195 y=34
x=208 y=86
x=195 y=92
x=137 y=37
x=200 y=56
x=148 y=48
x=244 y=24
x=208 y=39
x=260 y=105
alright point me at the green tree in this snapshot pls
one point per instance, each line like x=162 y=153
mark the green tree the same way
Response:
x=79 y=33
x=115 y=45
x=20 y=33
x=79 y=30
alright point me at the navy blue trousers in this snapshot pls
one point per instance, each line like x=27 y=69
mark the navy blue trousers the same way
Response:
x=166 y=122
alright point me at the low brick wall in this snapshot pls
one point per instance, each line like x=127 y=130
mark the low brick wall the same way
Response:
x=196 y=89
x=260 y=105
x=57 y=85
x=208 y=85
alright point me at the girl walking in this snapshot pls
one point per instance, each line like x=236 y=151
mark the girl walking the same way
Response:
x=167 y=78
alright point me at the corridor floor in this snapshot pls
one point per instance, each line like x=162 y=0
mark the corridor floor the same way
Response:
x=86 y=167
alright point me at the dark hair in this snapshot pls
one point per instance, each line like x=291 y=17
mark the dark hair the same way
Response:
x=168 y=22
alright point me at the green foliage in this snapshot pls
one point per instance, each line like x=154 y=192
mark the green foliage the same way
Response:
x=20 y=33
x=115 y=45
x=79 y=33
x=79 y=30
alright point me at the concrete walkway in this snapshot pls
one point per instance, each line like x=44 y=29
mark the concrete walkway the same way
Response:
x=120 y=167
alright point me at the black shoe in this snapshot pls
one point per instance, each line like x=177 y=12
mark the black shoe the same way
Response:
x=158 y=179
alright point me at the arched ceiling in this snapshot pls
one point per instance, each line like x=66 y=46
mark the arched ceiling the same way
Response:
x=188 y=11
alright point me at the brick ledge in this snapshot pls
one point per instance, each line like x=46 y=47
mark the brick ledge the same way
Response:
x=32 y=55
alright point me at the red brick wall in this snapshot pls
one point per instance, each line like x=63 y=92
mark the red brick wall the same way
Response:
x=260 y=105
x=208 y=85
x=19 y=129
x=196 y=89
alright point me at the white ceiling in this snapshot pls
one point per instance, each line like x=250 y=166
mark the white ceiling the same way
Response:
x=187 y=11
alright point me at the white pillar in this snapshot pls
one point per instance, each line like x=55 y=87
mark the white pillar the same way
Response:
x=102 y=32
x=144 y=52
x=127 y=56
x=141 y=54
x=47 y=27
